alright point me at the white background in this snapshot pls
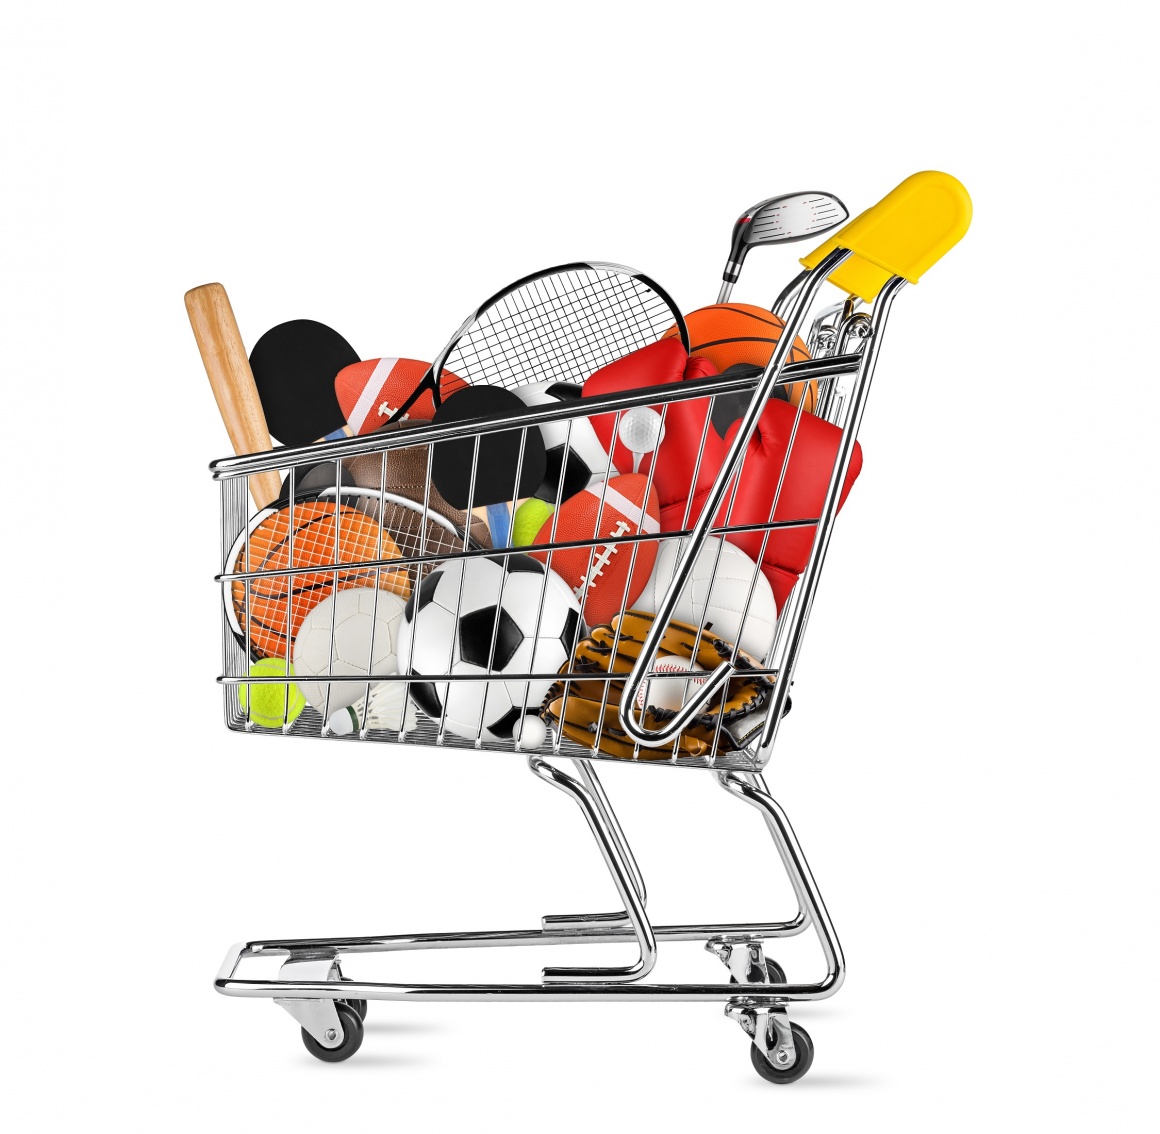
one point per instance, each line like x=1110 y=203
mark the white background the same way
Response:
x=971 y=763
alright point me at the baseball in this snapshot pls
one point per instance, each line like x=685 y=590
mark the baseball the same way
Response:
x=669 y=693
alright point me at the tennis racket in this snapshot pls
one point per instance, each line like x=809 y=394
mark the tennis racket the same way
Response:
x=560 y=324
x=557 y=325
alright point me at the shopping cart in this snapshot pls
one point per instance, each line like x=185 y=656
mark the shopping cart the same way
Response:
x=870 y=259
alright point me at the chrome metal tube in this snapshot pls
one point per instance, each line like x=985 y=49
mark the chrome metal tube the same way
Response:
x=752 y=791
x=422 y=434
x=808 y=582
x=716 y=680
x=621 y=876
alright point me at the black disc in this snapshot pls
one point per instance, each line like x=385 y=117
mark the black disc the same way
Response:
x=294 y=367
x=499 y=453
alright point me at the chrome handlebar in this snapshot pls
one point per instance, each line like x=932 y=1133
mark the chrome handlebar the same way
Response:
x=669 y=730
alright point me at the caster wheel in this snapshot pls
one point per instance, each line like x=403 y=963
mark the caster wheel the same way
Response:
x=805 y=1058
x=352 y=1037
x=360 y=1006
x=776 y=973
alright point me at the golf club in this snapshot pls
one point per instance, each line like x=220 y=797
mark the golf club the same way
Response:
x=779 y=220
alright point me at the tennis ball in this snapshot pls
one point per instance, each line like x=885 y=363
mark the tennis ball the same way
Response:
x=529 y=518
x=268 y=704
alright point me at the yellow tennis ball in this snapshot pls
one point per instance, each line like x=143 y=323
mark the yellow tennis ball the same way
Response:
x=530 y=516
x=271 y=705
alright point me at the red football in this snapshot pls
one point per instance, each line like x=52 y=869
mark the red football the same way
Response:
x=370 y=392
x=606 y=578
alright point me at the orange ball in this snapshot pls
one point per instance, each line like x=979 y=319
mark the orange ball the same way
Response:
x=278 y=604
x=729 y=333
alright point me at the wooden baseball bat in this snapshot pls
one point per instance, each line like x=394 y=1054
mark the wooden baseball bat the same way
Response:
x=224 y=356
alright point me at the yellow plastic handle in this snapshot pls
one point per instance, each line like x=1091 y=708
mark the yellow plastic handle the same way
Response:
x=914 y=225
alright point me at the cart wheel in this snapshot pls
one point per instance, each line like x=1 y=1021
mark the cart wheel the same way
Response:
x=352 y=1028
x=360 y=1006
x=776 y=973
x=805 y=1058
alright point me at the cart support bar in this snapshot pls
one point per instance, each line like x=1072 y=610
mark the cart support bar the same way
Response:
x=694 y=706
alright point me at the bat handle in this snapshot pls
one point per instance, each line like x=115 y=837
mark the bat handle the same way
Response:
x=224 y=356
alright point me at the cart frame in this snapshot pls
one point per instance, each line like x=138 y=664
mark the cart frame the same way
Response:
x=311 y=986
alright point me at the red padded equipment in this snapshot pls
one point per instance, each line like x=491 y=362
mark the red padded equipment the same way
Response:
x=659 y=364
x=802 y=493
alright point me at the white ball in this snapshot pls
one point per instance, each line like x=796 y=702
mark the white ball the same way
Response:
x=353 y=613
x=514 y=616
x=715 y=594
x=641 y=430
x=573 y=450
x=531 y=733
x=670 y=693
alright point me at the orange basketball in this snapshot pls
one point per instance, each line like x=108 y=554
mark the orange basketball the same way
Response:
x=278 y=604
x=729 y=333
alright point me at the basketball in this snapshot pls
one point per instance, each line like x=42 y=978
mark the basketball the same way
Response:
x=729 y=333
x=278 y=604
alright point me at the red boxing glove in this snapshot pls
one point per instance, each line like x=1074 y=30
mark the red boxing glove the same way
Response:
x=802 y=494
x=659 y=364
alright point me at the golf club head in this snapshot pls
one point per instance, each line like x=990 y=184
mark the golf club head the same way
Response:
x=782 y=220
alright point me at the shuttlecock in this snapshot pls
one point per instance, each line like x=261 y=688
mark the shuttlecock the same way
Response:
x=388 y=707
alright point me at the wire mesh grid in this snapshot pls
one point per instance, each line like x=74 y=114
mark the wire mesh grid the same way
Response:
x=377 y=610
x=355 y=534
x=561 y=326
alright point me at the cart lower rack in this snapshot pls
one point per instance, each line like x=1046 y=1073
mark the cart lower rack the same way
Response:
x=374 y=540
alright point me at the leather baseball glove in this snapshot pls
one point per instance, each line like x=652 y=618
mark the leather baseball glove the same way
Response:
x=578 y=707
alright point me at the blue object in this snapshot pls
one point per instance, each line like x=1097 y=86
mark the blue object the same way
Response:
x=499 y=521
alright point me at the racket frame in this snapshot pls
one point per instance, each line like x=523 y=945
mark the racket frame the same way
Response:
x=429 y=381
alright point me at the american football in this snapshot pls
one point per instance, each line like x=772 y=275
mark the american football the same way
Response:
x=605 y=578
x=372 y=392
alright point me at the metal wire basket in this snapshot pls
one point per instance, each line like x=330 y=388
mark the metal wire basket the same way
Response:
x=388 y=543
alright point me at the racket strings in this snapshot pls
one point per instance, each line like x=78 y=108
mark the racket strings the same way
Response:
x=606 y=317
x=561 y=328
x=417 y=534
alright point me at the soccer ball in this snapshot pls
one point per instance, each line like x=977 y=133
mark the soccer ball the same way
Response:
x=501 y=629
x=352 y=613
x=578 y=458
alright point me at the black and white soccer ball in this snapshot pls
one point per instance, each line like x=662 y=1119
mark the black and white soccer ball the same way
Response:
x=578 y=458
x=502 y=629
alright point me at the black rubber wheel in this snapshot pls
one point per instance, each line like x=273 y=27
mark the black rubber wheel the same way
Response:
x=360 y=1006
x=352 y=1036
x=776 y=973
x=803 y=1045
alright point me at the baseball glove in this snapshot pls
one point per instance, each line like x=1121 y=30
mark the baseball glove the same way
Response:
x=577 y=707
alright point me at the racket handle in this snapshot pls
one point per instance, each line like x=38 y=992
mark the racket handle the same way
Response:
x=224 y=356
